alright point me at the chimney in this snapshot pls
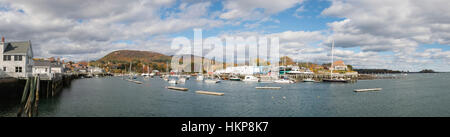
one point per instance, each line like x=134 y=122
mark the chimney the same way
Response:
x=2 y=45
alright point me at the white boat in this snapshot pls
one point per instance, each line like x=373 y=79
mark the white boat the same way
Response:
x=250 y=78
x=199 y=77
x=181 y=80
x=308 y=80
x=172 y=81
x=212 y=81
x=284 y=81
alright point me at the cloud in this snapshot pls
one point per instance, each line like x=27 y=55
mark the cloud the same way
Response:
x=389 y=21
x=83 y=28
x=255 y=9
x=399 y=26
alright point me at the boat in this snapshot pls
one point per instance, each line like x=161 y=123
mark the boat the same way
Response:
x=212 y=81
x=235 y=78
x=172 y=81
x=250 y=78
x=333 y=79
x=309 y=80
x=181 y=80
x=284 y=81
x=200 y=77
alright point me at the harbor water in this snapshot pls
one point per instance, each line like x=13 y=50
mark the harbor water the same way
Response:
x=423 y=95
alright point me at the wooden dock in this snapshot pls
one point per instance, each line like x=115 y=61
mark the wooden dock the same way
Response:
x=367 y=90
x=209 y=93
x=177 y=88
x=134 y=81
x=268 y=87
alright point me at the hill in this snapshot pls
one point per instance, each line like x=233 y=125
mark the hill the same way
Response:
x=126 y=56
x=119 y=61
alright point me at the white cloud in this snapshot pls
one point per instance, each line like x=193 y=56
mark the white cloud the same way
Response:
x=255 y=9
x=91 y=28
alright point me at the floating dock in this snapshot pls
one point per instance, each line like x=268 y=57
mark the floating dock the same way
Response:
x=368 y=89
x=135 y=81
x=177 y=88
x=210 y=93
x=268 y=87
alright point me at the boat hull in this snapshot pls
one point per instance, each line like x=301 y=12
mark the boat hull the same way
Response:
x=335 y=80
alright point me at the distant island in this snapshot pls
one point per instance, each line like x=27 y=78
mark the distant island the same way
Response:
x=378 y=71
x=371 y=71
x=427 y=71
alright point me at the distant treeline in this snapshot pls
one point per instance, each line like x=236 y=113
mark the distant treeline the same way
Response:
x=370 y=71
x=427 y=71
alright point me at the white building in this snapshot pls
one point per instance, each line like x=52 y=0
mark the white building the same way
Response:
x=96 y=70
x=244 y=70
x=16 y=59
x=47 y=68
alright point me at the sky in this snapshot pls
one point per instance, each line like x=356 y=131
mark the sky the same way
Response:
x=408 y=35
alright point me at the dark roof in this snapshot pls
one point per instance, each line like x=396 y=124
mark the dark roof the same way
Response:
x=17 y=47
x=42 y=63
x=47 y=63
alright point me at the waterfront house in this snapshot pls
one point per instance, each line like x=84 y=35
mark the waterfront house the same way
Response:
x=42 y=67
x=16 y=59
x=339 y=65
x=47 y=68
x=96 y=70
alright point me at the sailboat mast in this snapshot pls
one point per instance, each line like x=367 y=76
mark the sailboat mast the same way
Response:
x=167 y=67
x=130 y=67
x=332 y=58
x=285 y=65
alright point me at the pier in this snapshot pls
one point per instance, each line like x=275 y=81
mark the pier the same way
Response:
x=177 y=88
x=268 y=87
x=29 y=90
x=367 y=90
x=209 y=93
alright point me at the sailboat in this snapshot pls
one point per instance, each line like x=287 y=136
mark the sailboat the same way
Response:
x=284 y=80
x=211 y=79
x=132 y=75
x=332 y=79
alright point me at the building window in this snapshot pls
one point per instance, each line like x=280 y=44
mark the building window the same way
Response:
x=4 y=69
x=17 y=58
x=45 y=69
x=19 y=69
x=6 y=57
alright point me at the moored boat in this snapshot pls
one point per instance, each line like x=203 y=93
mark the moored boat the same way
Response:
x=235 y=78
x=284 y=81
x=250 y=78
x=308 y=80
